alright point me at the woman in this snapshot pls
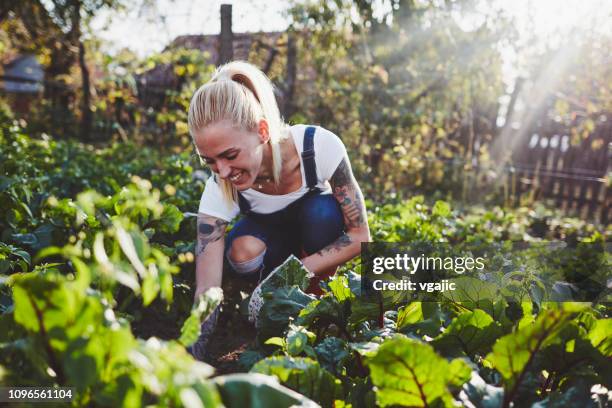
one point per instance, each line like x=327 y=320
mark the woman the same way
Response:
x=294 y=186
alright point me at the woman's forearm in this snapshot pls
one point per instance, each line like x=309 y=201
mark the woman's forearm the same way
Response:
x=209 y=267
x=210 y=246
x=345 y=248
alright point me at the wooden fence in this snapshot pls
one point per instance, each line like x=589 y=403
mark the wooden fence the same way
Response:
x=547 y=165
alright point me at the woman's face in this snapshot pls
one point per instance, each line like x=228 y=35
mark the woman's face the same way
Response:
x=234 y=154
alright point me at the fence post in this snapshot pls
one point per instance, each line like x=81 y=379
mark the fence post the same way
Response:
x=226 y=38
x=291 y=73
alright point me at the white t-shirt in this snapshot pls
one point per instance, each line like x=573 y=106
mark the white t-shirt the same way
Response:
x=329 y=151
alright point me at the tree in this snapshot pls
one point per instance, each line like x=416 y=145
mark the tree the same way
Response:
x=56 y=29
x=407 y=88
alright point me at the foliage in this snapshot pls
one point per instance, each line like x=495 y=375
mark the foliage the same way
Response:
x=421 y=112
x=69 y=302
x=257 y=390
x=483 y=349
x=149 y=98
x=431 y=73
x=96 y=241
x=304 y=376
x=408 y=372
x=84 y=258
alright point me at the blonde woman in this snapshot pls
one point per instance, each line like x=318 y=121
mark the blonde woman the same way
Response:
x=293 y=185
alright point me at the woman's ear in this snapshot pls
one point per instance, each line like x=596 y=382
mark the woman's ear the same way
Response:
x=263 y=131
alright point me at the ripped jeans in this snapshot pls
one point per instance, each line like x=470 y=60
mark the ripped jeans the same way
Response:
x=302 y=228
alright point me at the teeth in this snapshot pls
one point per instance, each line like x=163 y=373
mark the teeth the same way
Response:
x=236 y=177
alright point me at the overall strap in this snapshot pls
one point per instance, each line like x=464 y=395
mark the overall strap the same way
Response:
x=308 y=158
x=244 y=205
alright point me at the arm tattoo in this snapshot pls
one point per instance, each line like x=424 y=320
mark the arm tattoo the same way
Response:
x=337 y=245
x=210 y=229
x=348 y=195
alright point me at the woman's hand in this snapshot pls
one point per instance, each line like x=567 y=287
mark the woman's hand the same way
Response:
x=199 y=292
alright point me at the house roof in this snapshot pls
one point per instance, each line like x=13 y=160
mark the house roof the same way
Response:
x=23 y=74
x=162 y=77
x=243 y=43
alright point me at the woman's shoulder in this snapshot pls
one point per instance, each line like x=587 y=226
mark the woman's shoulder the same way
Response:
x=329 y=149
x=301 y=128
x=322 y=139
x=214 y=204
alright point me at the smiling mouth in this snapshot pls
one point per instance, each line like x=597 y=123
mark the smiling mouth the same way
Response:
x=235 y=177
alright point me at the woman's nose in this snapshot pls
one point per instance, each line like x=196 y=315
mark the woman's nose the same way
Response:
x=223 y=169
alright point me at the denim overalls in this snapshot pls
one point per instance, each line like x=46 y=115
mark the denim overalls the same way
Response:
x=302 y=228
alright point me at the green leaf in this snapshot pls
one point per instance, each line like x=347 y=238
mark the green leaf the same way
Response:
x=513 y=353
x=25 y=239
x=408 y=372
x=150 y=289
x=82 y=361
x=332 y=352
x=420 y=318
x=41 y=301
x=109 y=269
x=6 y=183
x=363 y=310
x=365 y=348
x=276 y=341
x=205 y=305
x=279 y=308
x=257 y=390
x=170 y=219
x=441 y=209
x=470 y=290
x=165 y=368
x=326 y=308
x=601 y=336
x=297 y=339
x=190 y=398
x=290 y=273
x=303 y=375
x=472 y=293
x=409 y=314
x=468 y=333
x=126 y=242
x=339 y=287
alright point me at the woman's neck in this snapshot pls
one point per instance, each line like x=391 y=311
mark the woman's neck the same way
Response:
x=267 y=167
x=266 y=171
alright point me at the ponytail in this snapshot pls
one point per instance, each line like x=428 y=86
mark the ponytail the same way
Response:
x=240 y=93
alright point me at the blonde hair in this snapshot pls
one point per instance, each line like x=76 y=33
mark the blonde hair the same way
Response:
x=242 y=94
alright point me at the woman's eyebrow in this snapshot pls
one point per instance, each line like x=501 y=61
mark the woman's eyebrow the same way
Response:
x=223 y=153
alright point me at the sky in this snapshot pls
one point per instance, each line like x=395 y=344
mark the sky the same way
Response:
x=148 y=30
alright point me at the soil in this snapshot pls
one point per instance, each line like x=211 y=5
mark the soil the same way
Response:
x=230 y=339
x=232 y=336
x=234 y=333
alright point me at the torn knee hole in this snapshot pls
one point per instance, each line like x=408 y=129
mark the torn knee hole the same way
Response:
x=253 y=264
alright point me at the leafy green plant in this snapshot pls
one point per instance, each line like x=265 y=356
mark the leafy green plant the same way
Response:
x=87 y=261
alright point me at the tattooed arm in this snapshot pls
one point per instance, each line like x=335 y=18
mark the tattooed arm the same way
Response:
x=347 y=246
x=209 y=252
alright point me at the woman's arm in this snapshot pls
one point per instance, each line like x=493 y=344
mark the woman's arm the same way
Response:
x=209 y=252
x=347 y=246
